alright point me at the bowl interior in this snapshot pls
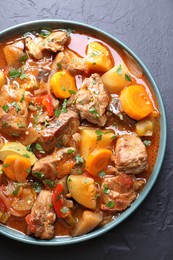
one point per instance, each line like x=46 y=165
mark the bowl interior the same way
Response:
x=35 y=25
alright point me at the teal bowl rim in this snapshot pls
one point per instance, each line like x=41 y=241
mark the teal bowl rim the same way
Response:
x=34 y=25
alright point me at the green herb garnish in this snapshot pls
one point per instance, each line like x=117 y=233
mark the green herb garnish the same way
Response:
x=119 y=70
x=110 y=204
x=93 y=111
x=127 y=77
x=5 y=108
x=39 y=148
x=39 y=175
x=147 y=142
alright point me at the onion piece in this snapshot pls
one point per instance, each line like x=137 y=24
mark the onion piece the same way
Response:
x=132 y=65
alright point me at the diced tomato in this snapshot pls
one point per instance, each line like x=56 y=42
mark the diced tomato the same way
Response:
x=32 y=226
x=46 y=101
x=2 y=206
x=58 y=200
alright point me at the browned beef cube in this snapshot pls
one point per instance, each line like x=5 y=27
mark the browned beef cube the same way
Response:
x=13 y=111
x=92 y=100
x=48 y=164
x=117 y=193
x=42 y=216
x=65 y=124
x=130 y=155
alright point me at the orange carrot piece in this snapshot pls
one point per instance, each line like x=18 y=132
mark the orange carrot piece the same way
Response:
x=16 y=167
x=136 y=102
x=97 y=161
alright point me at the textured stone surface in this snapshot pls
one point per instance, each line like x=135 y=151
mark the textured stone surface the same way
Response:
x=146 y=26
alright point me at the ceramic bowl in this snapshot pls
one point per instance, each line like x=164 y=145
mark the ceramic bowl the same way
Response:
x=36 y=25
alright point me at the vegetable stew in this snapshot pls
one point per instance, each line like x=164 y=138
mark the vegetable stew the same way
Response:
x=79 y=132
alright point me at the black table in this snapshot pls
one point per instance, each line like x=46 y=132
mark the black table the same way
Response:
x=146 y=26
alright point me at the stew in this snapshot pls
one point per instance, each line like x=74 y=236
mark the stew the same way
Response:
x=79 y=132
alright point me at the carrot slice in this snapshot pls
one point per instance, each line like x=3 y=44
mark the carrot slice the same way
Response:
x=63 y=84
x=136 y=102
x=16 y=167
x=97 y=161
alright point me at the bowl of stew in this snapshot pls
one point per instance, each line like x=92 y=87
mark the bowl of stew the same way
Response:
x=82 y=132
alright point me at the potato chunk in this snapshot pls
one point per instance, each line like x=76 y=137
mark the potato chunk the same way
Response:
x=92 y=138
x=98 y=57
x=116 y=78
x=88 y=222
x=83 y=190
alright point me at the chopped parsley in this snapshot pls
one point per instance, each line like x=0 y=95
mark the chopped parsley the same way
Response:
x=113 y=137
x=17 y=73
x=79 y=159
x=26 y=155
x=59 y=66
x=110 y=204
x=64 y=104
x=64 y=210
x=93 y=111
x=69 y=31
x=106 y=190
x=20 y=125
x=79 y=171
x=45 y=32
x=50 y=183
x=39 y=175
x=36 y=186
x=16 y=191
x=5 y=108
x=14 y=73
x=5 y=165
x=147 y=142
x=14 y=104
x=99 y=134
x=57 y=112
x=102 y=174
x=23 y=58
x=119 y=70
x=70 y=151
x=63 y=88
x=71 y=91
x=127 y=77
x=15 y=135
x=22 y=98
x=39 y=148
x=25 y=35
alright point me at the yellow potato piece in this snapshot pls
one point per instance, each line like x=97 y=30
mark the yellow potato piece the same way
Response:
x=92 y=138
x=89 y=221
x=83 y=190
x=144 y=128
x=98 y=57
x=116 y=78
x=12 y=148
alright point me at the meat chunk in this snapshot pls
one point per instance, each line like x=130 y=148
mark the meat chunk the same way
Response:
x=49 y=164
x=92 y=100
x=54 y=42
x=66 y=124
x=116 y=109
x=117 y=193
x=130 y=155
x=69 y=60
x=13 y=53
x=13 y=111
x=42 y=216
